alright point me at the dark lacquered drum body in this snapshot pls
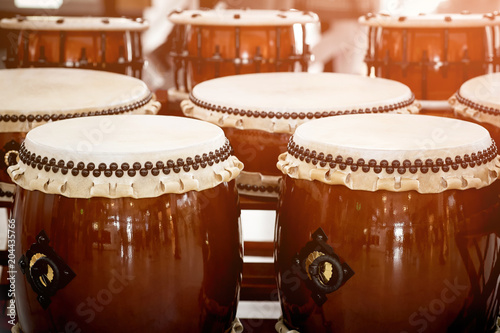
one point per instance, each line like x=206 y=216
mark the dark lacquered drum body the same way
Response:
x=111 y=44
x=397 y=232
x=35 y=96
x=432 y=54
x=145 y=238
x=477 y=101
x=214 y=43
x=259 y=112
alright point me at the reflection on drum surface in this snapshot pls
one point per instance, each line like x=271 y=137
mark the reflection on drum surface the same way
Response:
x=150 y=264
x=422 y=262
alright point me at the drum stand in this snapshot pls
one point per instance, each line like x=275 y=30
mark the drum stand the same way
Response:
x=259 y=307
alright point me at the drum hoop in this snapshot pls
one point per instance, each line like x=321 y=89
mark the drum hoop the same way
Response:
x=401 y=167
x=301 y=115
x=30 y=118
x=476 y=106
x=97 y=169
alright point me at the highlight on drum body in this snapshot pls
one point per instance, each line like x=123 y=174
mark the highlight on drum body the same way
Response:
x=139 y=233
x=101 y=43
x=53 y=94
x=259 y=112
x=384 y=226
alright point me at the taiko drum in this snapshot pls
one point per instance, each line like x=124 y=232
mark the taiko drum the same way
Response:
x=389 y=223
x=213 y=43
x=35 y=96
x=259 y=112
x=432 y=54
x=111 y=44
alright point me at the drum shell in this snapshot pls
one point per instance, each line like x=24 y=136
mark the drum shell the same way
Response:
x=258 y=150
x=115 y=51
x=399 y=54
x=276 y=43
x=171 y=263
x=410 y=252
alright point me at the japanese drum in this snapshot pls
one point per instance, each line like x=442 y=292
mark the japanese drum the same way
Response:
x=432 y=54
x=478 y=101
x=213 y=43
x=138 y=232
x=34 y=96
x=259 y=112
x=389 y=223
x=111 y=44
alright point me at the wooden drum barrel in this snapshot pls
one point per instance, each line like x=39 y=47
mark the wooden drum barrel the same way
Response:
x=136 y=232
x=259 y=112
x=389 y=223
x=110 y=44
x=213 y=43
x=432 y=54
x=35 y=96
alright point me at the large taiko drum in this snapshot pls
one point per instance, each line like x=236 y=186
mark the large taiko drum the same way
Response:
x=138 y=232
x=478 y=101
x=389 y=223
x=259 y=112
x=432 y=54
x=214 y=43
x=111 y=44
x=35 y=96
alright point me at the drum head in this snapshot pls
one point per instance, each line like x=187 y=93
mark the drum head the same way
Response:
x=393 y=152
x=278 y=102
x=430 y=20
x=37 y=95
x=479 y=99
x=68 y=23
x=128 y=156
x=242 y=17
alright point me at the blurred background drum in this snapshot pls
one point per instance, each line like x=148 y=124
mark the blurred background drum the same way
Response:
x=214 y=43
x=259 y=112
x=478 y=101
x=101 y=43
x=389 y=223
x=432 y=54
x=35 y=96
x=142 y=227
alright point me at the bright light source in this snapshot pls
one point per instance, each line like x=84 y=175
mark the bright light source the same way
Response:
x=43 y=4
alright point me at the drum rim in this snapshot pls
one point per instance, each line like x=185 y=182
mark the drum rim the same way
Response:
x=73 y=23
x=50 y=167
x=433 y=170
x=277 y=120
x=20 y=119
x=430 y=21
x=237 y=17
x=470 y=105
